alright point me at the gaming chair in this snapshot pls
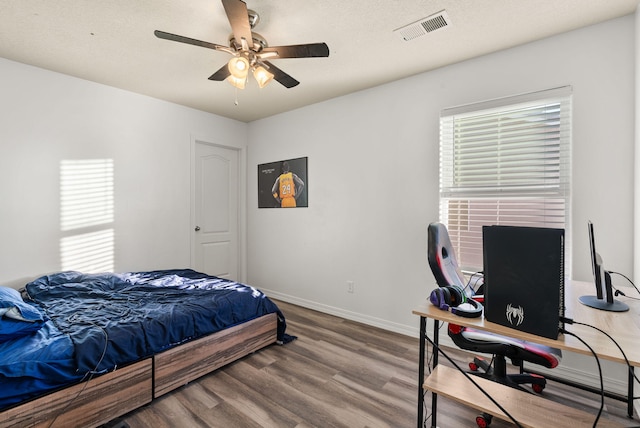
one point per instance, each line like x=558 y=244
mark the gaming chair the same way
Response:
x=452 y=295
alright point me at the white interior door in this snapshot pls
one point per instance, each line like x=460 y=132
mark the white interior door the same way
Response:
x=215 y=228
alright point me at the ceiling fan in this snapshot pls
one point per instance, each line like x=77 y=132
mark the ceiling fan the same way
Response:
x=250 y=50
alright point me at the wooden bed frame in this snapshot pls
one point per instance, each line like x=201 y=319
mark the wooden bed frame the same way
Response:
x=106 y=397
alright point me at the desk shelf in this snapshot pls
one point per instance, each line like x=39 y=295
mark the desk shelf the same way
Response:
x=530 y=410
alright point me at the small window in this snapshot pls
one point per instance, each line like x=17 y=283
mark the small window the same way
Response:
x=505 y=161
x=87 y=215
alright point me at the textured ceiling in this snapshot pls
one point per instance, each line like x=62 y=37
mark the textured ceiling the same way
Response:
x=112 y=42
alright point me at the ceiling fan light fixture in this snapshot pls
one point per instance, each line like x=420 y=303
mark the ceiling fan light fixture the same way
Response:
x=262 y=76
x=239 y=67
x=236 y=82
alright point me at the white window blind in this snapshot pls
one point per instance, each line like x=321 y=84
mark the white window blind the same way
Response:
x=506 y=162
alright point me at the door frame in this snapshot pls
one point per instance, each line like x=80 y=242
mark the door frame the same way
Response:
x=242 y=201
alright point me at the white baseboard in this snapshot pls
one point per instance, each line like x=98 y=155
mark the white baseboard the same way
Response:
x=352 y=316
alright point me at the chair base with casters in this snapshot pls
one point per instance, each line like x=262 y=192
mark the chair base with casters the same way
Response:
x=502 y=348
x=496 y=370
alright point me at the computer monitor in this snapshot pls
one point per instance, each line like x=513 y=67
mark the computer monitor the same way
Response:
x=604 y=291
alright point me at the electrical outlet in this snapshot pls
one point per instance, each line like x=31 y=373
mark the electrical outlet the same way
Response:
x=350 y=287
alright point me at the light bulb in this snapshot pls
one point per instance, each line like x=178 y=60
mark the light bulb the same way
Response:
x=239 y=67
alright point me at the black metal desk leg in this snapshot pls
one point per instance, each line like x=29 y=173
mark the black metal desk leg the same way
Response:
x=434 y=396
x=423 y=333
x=630 y=381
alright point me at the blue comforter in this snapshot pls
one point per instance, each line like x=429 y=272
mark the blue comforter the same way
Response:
x=115 y=319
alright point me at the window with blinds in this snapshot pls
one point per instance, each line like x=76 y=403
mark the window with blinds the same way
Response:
x=505 y=162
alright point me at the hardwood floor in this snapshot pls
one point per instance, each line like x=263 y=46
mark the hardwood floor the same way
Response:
x=338 y=373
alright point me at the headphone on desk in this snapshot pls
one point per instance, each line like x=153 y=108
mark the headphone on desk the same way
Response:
x=451 y=297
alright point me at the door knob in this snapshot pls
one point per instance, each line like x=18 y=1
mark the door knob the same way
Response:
x=197 y=228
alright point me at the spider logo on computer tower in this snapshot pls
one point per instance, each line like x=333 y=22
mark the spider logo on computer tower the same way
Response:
x=515 y=314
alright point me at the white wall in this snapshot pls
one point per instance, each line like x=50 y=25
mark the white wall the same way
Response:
x=373 y=174
x=47 y=117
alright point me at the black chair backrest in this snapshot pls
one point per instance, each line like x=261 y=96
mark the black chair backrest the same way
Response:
x=442 y=257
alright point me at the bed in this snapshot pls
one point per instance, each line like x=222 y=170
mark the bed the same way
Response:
x=82 y=349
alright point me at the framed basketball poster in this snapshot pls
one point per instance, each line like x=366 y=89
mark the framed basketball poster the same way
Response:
x=283 y=184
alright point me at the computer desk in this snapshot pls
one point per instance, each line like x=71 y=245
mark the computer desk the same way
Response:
x=624 y=327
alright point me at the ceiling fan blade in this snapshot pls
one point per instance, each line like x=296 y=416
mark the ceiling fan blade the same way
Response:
x=176 y=38
x=221 y=74
x=283 y=78
x=309 y=50
x=238 y=16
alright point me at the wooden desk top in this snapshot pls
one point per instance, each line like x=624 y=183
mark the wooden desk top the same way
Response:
x=624 y=327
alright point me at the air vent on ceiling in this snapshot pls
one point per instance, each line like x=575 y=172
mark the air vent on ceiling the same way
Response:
x=424 y=26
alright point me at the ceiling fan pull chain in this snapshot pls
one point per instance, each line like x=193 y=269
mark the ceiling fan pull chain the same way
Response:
x=236 y=100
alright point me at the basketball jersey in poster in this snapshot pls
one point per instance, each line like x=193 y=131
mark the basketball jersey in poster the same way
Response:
x=287 y=190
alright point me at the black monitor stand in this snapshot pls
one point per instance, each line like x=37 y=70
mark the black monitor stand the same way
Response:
x=594 y=302
x=604 y=290
x=606 y=302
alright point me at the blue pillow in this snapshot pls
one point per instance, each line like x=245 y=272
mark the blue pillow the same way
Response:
x=17 y=318
x=12 y=329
